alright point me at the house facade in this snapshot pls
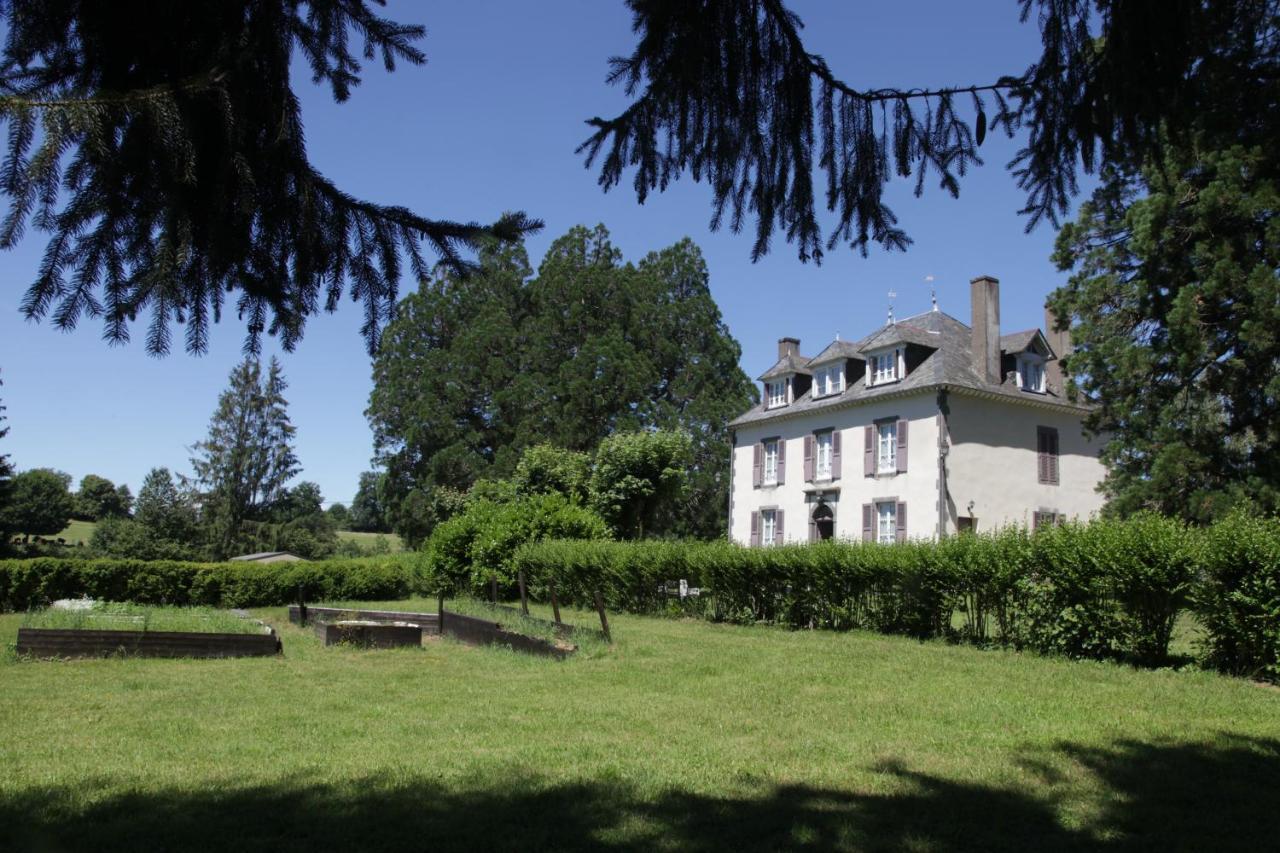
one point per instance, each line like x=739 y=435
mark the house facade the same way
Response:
x=923 y=428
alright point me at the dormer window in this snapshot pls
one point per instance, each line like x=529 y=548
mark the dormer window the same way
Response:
x=1031 y=373
x=884 y=367
x=775 y=393
x=828 y=381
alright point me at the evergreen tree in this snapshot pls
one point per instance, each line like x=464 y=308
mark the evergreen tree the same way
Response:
x=727 y=91
x=247 y=459
x=1175 y=301
x=175 y=137
x=164 y=509
x=6 y=482
x=474 y=371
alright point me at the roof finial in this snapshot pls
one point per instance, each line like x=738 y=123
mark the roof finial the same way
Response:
x=893 y=294
x=933 y=292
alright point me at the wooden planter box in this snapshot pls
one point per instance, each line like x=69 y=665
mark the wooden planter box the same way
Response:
x=368 y=634
x=427 y=621
x=81 y=643
x=483 y=632
x=562 y=629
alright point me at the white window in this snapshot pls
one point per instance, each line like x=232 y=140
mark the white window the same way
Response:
x=771 y=463
x=886 y=522
x=776 y=393
x=883 y=367
x=768 y=526
x=822 y=456
x=828 y=380
x=1031 y=374
x=887 y=447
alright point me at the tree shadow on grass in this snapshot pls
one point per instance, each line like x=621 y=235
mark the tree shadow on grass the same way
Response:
x=1221 y=797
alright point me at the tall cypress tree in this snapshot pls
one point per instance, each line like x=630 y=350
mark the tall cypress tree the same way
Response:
x=245 y=462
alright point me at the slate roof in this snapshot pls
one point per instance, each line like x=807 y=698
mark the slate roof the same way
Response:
x=1021 y=341
x=788 y=364
x=835 y=351
x=949 y=364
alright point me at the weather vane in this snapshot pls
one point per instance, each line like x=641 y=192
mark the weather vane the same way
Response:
x=933 y=292
x=893 y=294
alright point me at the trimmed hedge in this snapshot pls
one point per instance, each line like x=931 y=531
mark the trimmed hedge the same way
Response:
x=34 y=583
x=1105 y=590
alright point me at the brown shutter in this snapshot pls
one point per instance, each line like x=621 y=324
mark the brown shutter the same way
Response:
x=869 y=457
x=757 y=464
x=868 y=512
x=835 y=454
x=777 y=527
x=1041 y=473
x=755 y=528
x=1053 y=456
x=782 y=461
x=808 y=458
x=902 y=522
x=902 y=446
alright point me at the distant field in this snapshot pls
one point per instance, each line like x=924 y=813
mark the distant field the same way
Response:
x=368 y=539
x=77 y=531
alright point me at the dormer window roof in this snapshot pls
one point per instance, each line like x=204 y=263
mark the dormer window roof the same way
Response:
x=885 y=366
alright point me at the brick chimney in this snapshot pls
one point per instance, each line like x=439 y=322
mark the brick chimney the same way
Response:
x=788 y=346
x=1060 y=343
x=984 y=292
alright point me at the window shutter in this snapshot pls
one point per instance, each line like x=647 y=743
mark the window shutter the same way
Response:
x=902 y=522
x=813 y=530
x=755 y=528
x=1041 y=473
x=782 y=460
x=867 y=515
x=835 y=454
x=757 y=465
x=902 y=446
x=869 y=457
x=808 y=458
x=777 y=527
x=1053 y=456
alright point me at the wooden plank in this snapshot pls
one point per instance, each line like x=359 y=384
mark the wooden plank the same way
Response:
x=482 y=632
x=64 y=642
x=330 y=614
x=604 y=620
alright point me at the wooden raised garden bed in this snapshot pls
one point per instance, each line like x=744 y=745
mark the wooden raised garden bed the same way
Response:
x=484 y=632
x=86 y=643
x=427 y=621
x=369 y=634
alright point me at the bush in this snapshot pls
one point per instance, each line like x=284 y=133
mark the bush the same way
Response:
x=470 y=551
x=1107 y=590
x=1238 y=596
x=25 y=584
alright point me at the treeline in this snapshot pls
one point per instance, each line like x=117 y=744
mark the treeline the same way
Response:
x=1109 y=590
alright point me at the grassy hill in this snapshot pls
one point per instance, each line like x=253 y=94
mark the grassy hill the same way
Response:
x=78 y=531
x=368 y=539
x=686 y=735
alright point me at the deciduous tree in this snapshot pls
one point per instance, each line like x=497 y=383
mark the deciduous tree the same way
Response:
x=40 y=502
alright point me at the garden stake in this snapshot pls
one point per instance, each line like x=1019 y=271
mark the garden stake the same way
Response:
x=604 y=620
x=555 y=603
x=524 y=599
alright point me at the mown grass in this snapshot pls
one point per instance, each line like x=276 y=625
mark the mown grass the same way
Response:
x=113 y=616
x=78 y=531
x=394 y=544
x=684 y=735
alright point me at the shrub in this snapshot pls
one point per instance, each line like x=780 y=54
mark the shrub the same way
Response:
x=25 y=584
x=1238 y=596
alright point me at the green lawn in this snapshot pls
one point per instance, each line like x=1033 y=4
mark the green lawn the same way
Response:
x=368 y=539
x=685 y=735
x=77 y=531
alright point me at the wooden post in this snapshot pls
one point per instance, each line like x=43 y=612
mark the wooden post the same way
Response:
x=555 y=603
x=440 y=612
x=302 y=608
x=493 y=589
x=524 y=598
x=604 y=620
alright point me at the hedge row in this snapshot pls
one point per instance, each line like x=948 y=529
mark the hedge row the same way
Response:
x=25 y=584
x=1106 y=590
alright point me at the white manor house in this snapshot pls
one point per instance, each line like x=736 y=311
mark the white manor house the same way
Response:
x=924 y=428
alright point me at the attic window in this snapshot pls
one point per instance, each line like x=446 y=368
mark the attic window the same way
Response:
x=883 y=367
x=828 y=381
x=775 y=393
x=1031 y=373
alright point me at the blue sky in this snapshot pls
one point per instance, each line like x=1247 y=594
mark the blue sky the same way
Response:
x=490 y=124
